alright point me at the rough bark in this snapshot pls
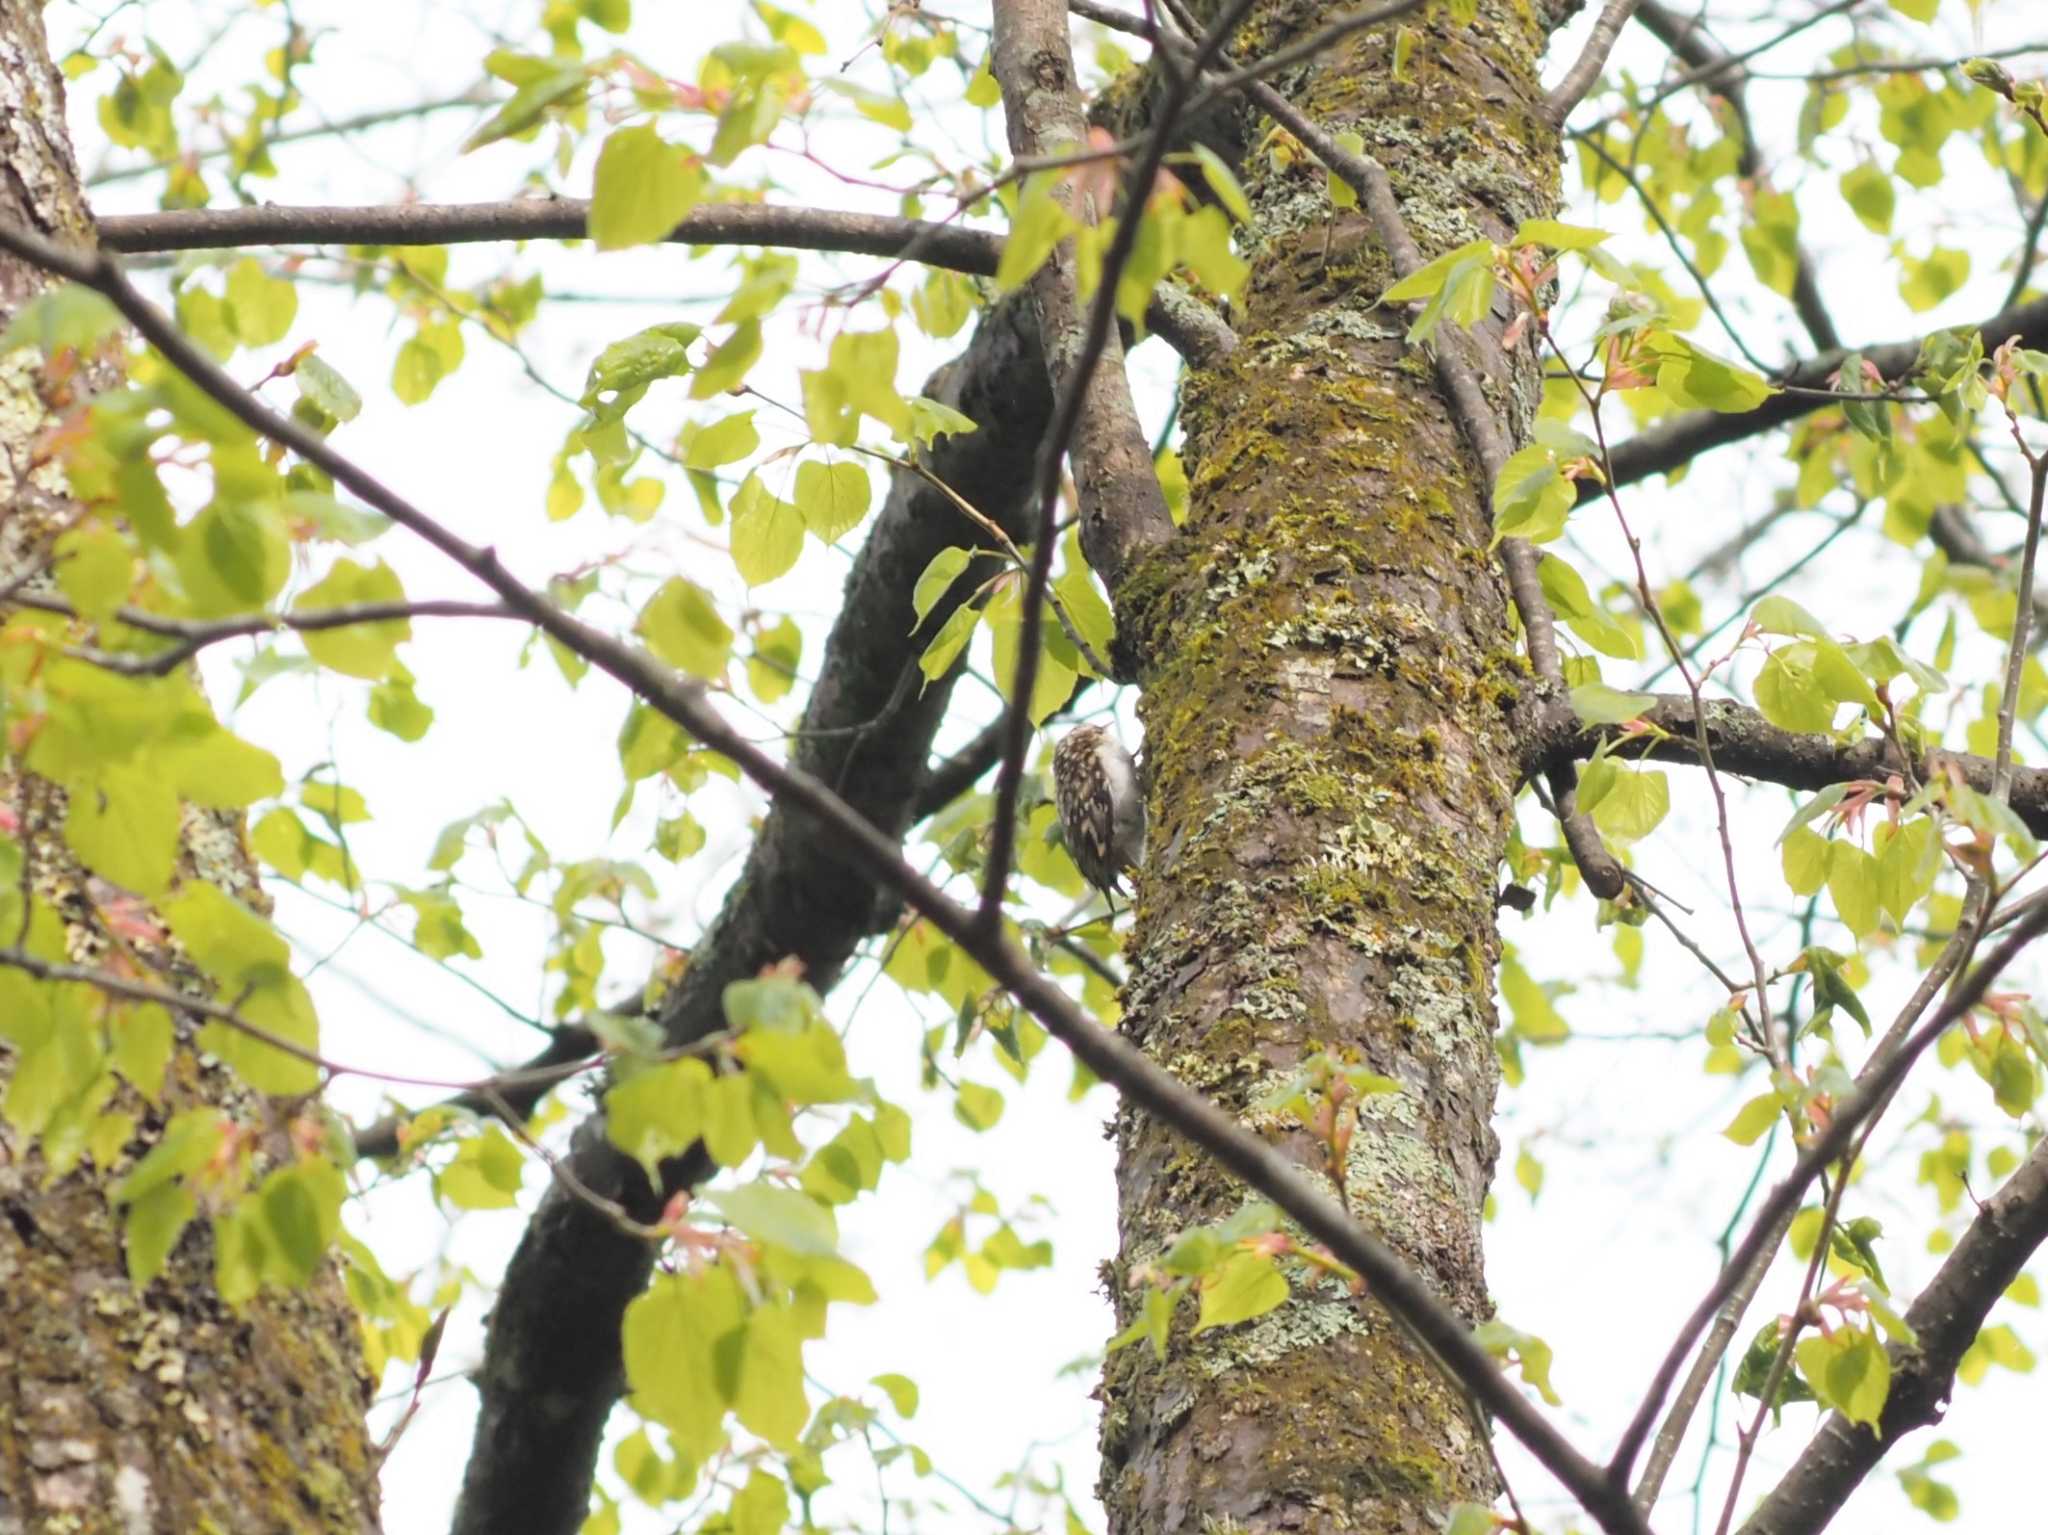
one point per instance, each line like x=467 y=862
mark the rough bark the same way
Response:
x=164 y=1409
x=1330 y=669
x=552 y=1368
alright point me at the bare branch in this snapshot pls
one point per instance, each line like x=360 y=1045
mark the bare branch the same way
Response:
x=1873 y=1090
x=1946 y=1316
x=1585 y=70
x=1687 y=39
x=1177 y=316
x=1144 y=1083
x=1750 y=746
x=192 y=635
x=1123 y=509
x=1678 y=440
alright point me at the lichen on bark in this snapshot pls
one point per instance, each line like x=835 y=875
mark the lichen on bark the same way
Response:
x=1330 y=673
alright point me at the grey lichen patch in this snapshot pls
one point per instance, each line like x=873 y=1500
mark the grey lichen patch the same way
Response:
x=1308 y=1319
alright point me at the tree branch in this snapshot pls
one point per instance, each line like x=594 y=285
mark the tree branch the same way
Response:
x=1747 y=744
x=1678 y=440
x=1873 y=1090
x=193 y=635
x=551 y=1374
x=1183 y=321
x=871 y=854
x=1123 y=510
x=1945 y=1317
x=1585 y=70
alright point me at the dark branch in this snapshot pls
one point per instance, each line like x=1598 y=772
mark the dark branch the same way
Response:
x=550 y=1377
x=1585 y=69
x=871 y=855
x=1688 y=40
x=1946 y=1317
x=1183 y=321
x=547 y=218
x=1874 y=1089
x=190 y=636
x=1677 y=440
x=568 y=1052
x=1747 y=744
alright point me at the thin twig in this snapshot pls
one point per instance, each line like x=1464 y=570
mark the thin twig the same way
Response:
x=1585 y=70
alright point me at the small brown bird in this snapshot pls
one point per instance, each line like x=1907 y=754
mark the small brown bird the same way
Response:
x=1095 y=784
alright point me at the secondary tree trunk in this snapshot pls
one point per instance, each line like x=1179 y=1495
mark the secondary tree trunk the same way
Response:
x=1331 y=670
x=120 y=1411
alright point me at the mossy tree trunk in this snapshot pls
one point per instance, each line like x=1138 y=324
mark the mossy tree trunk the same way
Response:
x=164 y=1409
x=1331 y=670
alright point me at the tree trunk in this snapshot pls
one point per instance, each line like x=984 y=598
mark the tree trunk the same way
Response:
x=1331 y=668
x=164 y=1409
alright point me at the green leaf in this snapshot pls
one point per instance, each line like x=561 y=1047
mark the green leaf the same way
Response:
x=1598 y=704
x=666 y=1341
x=69 y=317
x=683 y=628
x=1852 y=885
x=155 y=1222
x=1803 y=856
x=1247 y=1285
x=1870 y=195
x=643 y=188
x=234 y=557
x=725 y=441
x=1557 y=236
x=902 y=1391
x=94 y=568
x=976 y=1106
x=1692 y=376
x=1531 y=497
x=1036 y=228
x=533 y=97
x=1926 y=283
x=938 y=578
x=1791 y=697
x=143 y=1040
x=1224 y=183
x=260 y=308
x=768 y=1212
x=485 y=1173
x=357 y=650
x=1781 y=615
x=323 y=389
x=833 y=498
x=1634 y=805
x=619 y=376
x=762 y=1506
x=767 y=532
x=728 y=363
x=947 y=644
x=124 y=827
x=1339 y=190
x=1754 y=1118
x=1849 y=1372
x=188 y=1143
x=657 y=1112
x=250 y=964
x=768 y=1388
